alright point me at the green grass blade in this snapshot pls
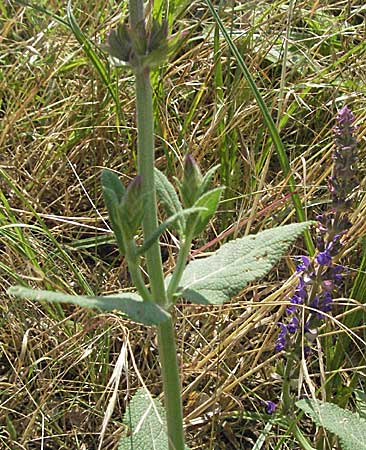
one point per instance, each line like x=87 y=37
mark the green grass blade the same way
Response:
x=280 y=149
x=93 y=57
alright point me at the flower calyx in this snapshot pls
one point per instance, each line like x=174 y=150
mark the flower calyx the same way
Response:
x=137 y=48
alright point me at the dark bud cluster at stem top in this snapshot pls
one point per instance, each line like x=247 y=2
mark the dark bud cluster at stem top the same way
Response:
x=320 y=278
x=139 y=47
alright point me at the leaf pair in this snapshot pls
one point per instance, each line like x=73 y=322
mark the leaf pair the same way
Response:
x=211 y=280
x=126 y=208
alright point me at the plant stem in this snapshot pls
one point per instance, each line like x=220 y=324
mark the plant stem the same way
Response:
x=166 y=338
x=287 y=402
x=171 y=383
x=145 y=127
x=136 y=12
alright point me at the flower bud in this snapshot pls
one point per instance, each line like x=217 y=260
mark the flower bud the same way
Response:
x=132 y=207
x=119 y=43
x=191 y=183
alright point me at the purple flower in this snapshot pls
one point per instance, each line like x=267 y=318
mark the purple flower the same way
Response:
x=324 y=258
x=327 y=302
x=293 y=325
x=281 y=340
x=328 y=285
x=337 y=273
x=296 y=299
x=315 y=302
x=304 y=264
x=345 y=118
x=270 y=406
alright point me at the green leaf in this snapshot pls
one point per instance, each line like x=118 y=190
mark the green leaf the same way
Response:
x=145 y=417
x=217 y=278
x=119 y=43
x=113 y=192
x=146 y=420
x=209 y=201
x=190 y=186
x=207 y=178
x=169 y=199
x=348 y=426
x=110 y=180
x=147 y=313
x=273 y=131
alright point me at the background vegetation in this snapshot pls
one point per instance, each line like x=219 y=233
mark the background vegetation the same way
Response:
x=66 y=373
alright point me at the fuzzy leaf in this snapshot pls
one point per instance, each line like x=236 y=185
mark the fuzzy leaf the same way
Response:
x=217 y=278
x=146 y=420
x=169 y=199
x=190 y=186
x=348 y=426
x=147 y=313
x=110 y=180
x=210 y=201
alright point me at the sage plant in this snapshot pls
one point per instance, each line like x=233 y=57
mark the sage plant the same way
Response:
x=141 y=45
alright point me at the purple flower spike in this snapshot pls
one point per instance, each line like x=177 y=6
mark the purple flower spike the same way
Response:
x=319 y=278
x=345 y=117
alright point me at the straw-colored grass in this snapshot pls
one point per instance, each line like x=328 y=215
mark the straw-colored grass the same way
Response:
x=60 y=365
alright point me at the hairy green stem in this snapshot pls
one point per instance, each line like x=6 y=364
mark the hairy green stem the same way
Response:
x=171 y=383
x=287 y=401
x=136 y=12
x=166 y=338
x=145 y=127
